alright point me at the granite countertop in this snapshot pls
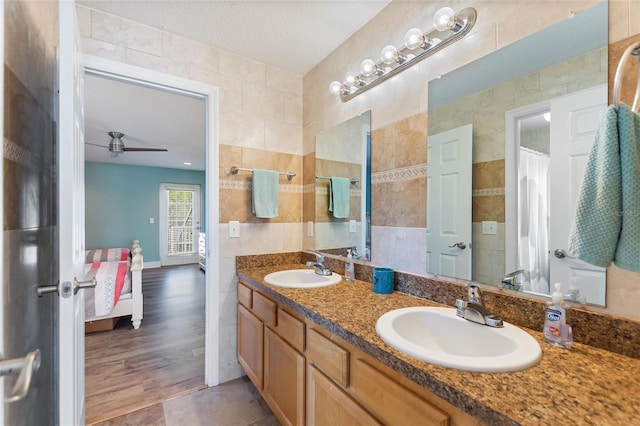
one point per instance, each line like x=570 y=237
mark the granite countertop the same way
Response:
x=584 y=385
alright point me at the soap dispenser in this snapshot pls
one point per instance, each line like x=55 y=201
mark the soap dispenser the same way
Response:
x=348 y=267
x=556 y=330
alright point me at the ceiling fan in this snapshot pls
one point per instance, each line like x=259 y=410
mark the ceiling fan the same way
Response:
x=116 y=146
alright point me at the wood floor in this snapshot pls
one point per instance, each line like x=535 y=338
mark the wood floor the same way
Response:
x=128 y=369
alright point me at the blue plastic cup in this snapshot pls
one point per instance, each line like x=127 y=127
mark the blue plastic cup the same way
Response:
x=383 y=280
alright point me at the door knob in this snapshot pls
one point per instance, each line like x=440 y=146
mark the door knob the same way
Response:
x=81 y=285
x=24 y=367
x=66 y=288
x=461 y=245
x=561 y=254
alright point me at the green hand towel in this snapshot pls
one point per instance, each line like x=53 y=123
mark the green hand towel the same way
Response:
x=339 y=197
x=606 y=225
x=264 y=193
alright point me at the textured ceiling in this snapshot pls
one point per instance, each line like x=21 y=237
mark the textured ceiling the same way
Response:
x=293 y=35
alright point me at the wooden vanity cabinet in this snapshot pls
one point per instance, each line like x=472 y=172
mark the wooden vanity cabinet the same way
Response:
x=270 y=345
x=310 y=376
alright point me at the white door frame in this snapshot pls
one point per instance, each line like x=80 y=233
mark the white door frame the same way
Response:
x=154 y=79
x=511 y=149
x=183 y=259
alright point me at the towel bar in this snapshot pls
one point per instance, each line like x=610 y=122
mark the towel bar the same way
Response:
x=234 y=171
x=354 y=181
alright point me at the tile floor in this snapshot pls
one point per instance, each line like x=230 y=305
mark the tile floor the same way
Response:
x=236 y=403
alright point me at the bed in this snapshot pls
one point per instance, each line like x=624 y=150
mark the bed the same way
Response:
x=118 y=272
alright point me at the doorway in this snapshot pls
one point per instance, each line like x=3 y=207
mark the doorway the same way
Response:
x=179 y=223
x=209 y=94
x=551 y=140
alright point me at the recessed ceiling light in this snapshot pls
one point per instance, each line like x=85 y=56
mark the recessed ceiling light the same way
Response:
x=186 y=163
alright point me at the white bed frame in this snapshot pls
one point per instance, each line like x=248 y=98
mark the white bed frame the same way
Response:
x=132 y=306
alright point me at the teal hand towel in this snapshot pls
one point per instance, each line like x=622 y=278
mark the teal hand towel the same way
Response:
x=264 y=193
x=339 y=197
x=606 y=225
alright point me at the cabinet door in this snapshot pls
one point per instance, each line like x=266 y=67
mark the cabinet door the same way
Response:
x=283 y=379
x=327 y=404
x=391 y=402
x=250 y=345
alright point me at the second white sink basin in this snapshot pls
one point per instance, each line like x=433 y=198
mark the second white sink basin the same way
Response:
x=301 y=278
x=437 y=335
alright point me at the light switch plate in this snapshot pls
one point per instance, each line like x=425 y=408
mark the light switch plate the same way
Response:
x=309 y=229
x=234 y=229
x=352 y=226
x=489 y=227
x=151 y=220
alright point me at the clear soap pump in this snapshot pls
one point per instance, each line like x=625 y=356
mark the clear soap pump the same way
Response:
x=348 y=267
x=556 y=330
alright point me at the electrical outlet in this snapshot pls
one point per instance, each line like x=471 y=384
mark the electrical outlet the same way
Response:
x=309 y=229
x=352 y=226
x=234 y=229
x=489 y=227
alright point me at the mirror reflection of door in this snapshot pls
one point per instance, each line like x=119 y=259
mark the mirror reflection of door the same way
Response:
x=551 y=144
x=179 y=223
x=449 y=202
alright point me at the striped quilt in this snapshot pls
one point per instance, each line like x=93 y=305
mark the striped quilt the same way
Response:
x=112 y=278
x=106 y=255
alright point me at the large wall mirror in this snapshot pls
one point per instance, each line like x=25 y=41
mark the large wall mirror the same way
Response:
x=526 y=115
x=343 y=157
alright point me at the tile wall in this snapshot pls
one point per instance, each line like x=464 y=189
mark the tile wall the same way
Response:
x=406 y=95
x=260 y=127
x=30 y=202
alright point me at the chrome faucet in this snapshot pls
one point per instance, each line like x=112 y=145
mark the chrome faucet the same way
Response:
x=510 y=281
x=320 y=267
x=474 y=309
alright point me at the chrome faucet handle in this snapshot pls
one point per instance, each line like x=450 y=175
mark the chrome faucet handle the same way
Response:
x=319 y=256
x=514 y=273
x=475 y=294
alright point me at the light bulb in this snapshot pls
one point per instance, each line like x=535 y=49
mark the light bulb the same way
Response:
x=367 y=67
x=414 y=38
x=389 y=54
x=335 y=87
x=349 y=79
x=444 y=19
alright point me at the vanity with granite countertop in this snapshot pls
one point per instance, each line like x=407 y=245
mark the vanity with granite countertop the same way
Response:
x=315 y=356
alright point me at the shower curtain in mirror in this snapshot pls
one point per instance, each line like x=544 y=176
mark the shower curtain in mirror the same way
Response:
x=533 y=220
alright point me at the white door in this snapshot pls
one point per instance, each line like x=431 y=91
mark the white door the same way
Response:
x=179 y=223
x=449 y=202
x=574 y=120
x=71 y=218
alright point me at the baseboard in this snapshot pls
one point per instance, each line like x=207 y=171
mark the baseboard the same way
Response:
x=151 y=265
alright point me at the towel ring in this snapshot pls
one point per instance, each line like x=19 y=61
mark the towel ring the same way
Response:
x=633 y=50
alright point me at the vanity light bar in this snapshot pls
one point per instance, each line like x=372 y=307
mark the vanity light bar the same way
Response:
x=448 y=28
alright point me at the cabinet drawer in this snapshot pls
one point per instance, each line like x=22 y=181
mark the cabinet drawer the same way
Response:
x=391 y=402
x=264 y=309
x=332 y=359
x=244 y=295
x=291 y=329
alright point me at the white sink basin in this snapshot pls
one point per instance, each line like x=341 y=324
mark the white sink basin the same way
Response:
x=301 y=278
x=439 y=336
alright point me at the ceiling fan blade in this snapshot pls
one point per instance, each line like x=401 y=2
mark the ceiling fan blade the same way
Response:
x=95 y=144
x=146 y=149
